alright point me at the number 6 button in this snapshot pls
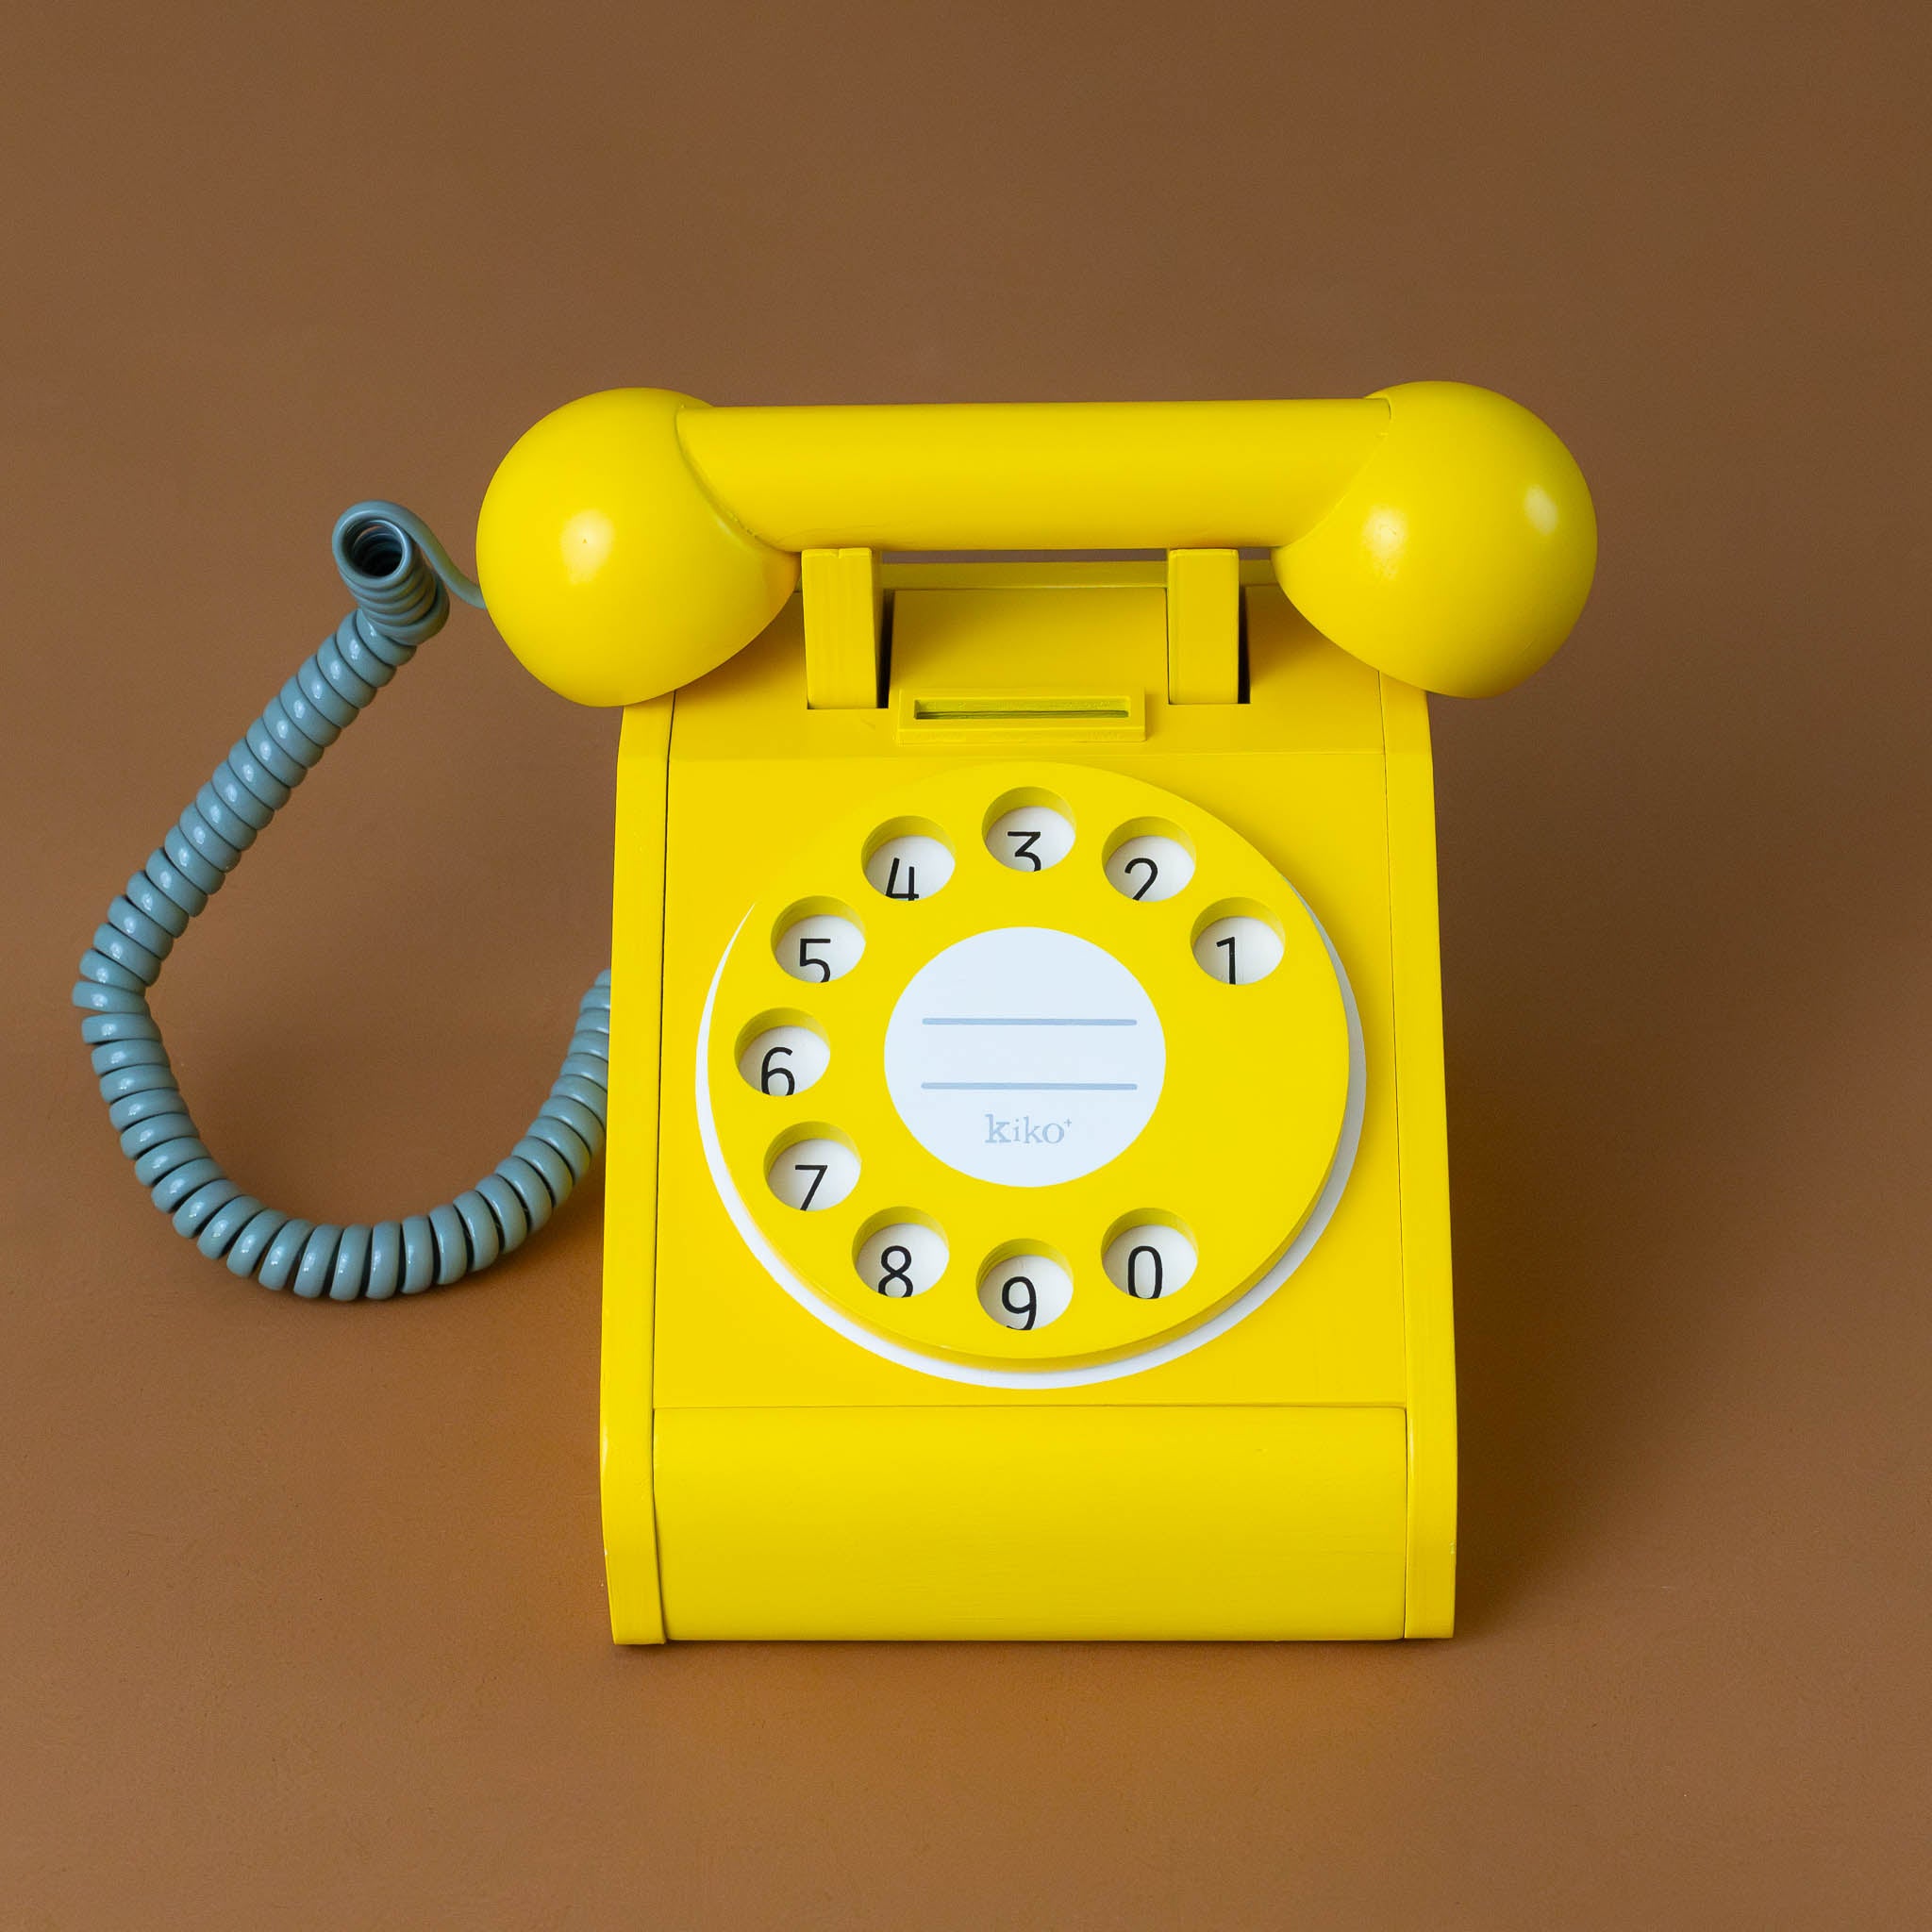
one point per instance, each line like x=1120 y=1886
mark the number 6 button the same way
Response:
x=784 y=1058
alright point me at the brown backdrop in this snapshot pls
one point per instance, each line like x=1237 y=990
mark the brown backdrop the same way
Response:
x=303 y=1619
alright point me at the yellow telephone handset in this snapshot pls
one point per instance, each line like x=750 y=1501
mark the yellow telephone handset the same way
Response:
x=634 y=540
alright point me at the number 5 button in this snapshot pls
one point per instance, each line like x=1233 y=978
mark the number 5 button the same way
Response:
x=819 y=946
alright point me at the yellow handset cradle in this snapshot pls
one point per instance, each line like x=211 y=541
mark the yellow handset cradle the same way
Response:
x=1027 y=1192
x=1027 y=1196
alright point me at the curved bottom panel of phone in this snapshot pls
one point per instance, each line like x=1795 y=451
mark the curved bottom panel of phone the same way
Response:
x=1027 y=1207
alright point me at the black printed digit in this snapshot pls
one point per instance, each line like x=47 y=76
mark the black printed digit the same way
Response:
x=768 y=1072
x=1151 y=1293
x=1227 y=944
x=817 y=1170
x=897 y=1279
x=1153 y=872
x=893 y=890
x=805 y=961
x=1023 y=843
x=1028 y=1303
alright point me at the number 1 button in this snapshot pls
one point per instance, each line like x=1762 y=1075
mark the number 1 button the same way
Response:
x=1238 y=950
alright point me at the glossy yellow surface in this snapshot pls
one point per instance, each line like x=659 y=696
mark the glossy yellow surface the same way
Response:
x=1422 y=1155
x=630 y=1173
x=1032 y=1523
x=634 y=540
x=1034 y=476
x=766 y=1475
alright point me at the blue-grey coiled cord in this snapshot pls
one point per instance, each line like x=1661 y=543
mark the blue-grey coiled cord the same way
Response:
x=401 y=578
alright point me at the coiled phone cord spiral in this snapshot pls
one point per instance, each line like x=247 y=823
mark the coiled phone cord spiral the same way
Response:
x=402 y=581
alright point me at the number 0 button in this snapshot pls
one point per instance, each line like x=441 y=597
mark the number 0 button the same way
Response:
x=811 y=1174
x=1149 y=1261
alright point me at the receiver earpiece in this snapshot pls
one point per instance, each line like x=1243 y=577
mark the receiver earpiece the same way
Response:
x=1460 y=554
x=605 y=563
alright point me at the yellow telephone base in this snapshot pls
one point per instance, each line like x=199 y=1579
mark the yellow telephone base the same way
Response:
x=1189 y=1373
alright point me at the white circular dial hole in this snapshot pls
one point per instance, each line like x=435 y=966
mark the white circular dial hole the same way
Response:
x=1238 y=950
x=904 y=1259
x=912 y=866
x=1030 y=838
x=1025 y=1291
x=1149 y=1261
x=1150 y=866
x=814 y=1174
x=784 y=1061
x=820 y=946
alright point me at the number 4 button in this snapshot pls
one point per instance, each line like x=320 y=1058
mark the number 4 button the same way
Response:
x=911 y=866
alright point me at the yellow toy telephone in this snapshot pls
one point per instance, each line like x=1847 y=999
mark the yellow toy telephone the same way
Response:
x=1028 y=1204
